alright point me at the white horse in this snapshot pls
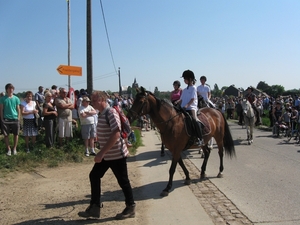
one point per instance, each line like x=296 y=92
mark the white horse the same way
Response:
x=249 y=118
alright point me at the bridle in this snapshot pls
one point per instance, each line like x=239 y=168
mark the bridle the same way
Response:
x=140 y=111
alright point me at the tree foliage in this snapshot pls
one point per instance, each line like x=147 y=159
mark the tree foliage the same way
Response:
x=263 y=86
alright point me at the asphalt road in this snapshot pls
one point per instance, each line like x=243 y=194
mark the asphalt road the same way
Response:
x=263 y=181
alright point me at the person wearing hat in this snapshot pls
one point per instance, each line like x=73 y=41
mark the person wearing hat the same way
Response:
x=82 y=94
x=88 y=129
x=251 y=97
x=189 y=101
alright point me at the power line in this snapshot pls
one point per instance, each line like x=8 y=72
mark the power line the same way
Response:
x=111 y=54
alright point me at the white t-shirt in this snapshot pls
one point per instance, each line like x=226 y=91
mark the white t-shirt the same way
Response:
x=28 y=108
x=203 y=90
x=86 y=120
x=187 y=95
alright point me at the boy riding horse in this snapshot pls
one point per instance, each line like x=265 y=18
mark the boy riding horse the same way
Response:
x=251 y=97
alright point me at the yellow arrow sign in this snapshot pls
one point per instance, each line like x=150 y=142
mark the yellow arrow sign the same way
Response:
x=69 y=70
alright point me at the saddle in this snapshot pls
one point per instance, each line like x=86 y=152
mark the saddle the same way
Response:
x=189 y=123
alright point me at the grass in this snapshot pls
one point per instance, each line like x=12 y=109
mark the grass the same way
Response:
x=40 y=156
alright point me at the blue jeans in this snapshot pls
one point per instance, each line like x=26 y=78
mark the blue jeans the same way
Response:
x=119 y=168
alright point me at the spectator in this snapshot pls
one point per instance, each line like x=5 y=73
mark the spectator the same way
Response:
x=88 y=130
x=28 y=110
x=239 y=112
x=1 y=95
x=64 y=109
x=39 y=99
x=10 y=116
x=50 y=114
x=230 y=106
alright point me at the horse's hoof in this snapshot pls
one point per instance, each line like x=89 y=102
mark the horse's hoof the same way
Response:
x=187 y=182
x=164 y=194
x=220 y=175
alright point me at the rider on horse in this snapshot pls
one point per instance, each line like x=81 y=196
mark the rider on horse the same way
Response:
x=251 y=97
x=189 y=101
x=203 y=91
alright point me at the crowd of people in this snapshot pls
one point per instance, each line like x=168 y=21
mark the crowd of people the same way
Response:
x=52 y=110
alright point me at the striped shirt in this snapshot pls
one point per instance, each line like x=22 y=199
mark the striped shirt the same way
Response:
x=104 y=131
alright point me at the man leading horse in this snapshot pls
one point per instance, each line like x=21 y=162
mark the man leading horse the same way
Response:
x=251 y=97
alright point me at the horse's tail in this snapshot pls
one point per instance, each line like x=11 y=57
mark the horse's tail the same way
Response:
x=228 y=141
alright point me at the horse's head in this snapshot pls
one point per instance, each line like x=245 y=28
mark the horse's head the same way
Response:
x=247 y=108
x=140 y=104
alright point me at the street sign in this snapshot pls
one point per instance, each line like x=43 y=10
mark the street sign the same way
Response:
x=69 y=70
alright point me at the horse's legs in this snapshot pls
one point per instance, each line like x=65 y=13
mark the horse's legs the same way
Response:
x=220 y=175
x=186 y=172
x=162 y=149
x=206 y=156
x=211 y=143
x=166 y=191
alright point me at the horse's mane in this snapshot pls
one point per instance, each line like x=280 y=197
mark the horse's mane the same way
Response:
x=161 y=101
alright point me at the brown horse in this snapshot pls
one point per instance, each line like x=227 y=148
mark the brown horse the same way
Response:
x=173 y=133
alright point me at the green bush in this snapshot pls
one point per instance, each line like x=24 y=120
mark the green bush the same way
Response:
x=40 y=155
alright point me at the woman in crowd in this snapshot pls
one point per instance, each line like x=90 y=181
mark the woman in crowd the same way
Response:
x=50 y=115
x=28 y=110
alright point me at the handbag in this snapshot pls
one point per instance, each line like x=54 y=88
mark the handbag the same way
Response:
x=36 y=119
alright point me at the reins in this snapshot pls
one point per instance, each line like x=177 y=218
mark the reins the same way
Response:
x=144 y=103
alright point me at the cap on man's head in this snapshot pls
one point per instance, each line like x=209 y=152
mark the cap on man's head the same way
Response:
x=251 y=88
x=84 y=93
x=41 y=87
x=86 y=99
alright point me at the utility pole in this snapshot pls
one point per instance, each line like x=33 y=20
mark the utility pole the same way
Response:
x=89 y=61
x=69 y=42
x=120 y=87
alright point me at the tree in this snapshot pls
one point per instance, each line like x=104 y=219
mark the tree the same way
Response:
x=275 y=90
x=216 y=92
x=263 y=86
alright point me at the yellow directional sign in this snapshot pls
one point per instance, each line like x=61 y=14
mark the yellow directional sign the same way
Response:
x=69 y=70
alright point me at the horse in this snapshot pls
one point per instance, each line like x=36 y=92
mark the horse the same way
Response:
x=249 y=119
x=172 y=127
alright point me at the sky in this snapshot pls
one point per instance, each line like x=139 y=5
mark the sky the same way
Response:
x=232 y=42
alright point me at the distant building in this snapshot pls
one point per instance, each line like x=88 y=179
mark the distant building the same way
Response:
x=257 y=92
x=233 y=91
x=135 y=84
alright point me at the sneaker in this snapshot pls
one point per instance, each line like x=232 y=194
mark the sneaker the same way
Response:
x=15 y=152
x=128 y=212
x=87 y=154
x=8 y=153
x=91 y=211
x=27 y=150
x=93 y=153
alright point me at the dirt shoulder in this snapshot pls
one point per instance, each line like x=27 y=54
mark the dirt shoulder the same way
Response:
x=56 y=195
